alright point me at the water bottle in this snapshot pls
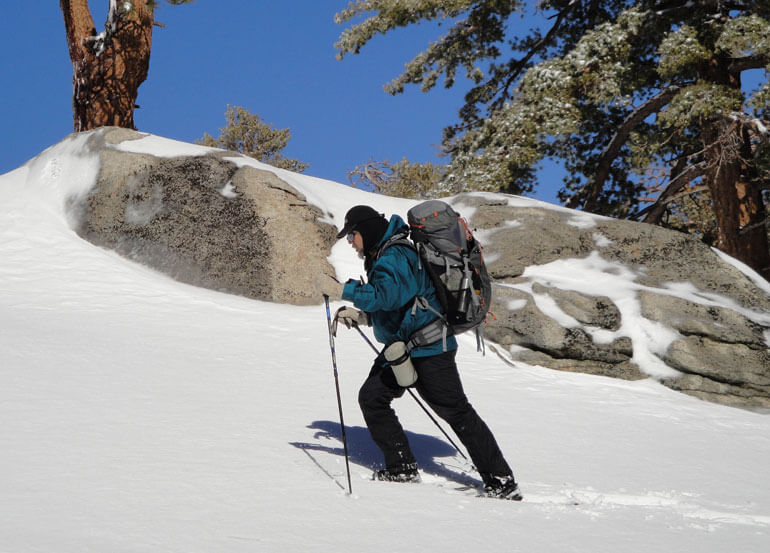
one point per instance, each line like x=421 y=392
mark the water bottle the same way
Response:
x=399 y=360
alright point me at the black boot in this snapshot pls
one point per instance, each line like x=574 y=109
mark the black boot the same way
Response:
x=501 y=487
x=399 y=473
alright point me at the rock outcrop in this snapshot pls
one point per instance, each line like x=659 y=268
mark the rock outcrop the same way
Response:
x=655 y=302
x=670 y=300
x=206 y=221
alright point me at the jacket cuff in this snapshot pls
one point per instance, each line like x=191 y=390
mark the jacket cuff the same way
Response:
x=349 y=289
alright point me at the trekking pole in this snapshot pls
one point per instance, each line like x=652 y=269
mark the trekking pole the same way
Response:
x=337 y=385
x=411 y=393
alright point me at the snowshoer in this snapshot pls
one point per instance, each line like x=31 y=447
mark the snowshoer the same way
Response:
x=387 y=303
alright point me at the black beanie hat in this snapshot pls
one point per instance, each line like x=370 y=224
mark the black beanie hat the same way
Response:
x=368 y=222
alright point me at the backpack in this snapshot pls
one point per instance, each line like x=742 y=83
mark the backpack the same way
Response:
x=453 y=259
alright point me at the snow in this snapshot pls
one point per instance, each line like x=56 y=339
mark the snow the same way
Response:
x=582 y=221
x=228 y=190
x=594 y=276
x=745 y=269
x=601 y=241
x=163 y=147
x=141 y=414
x=49 y=180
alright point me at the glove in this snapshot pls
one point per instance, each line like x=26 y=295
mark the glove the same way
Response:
x=349 y=317
x=328 y=286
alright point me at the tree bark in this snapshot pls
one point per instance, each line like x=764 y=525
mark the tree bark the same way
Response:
x=108 y=68
x=740 y=214
x=736 y=196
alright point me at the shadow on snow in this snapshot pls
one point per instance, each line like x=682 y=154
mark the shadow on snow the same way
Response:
x=362 y=451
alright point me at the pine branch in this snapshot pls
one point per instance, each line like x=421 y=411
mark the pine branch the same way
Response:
x=759 y=128
x=654 y=213
x=615 y=145
x=100 y=42
x=79 y=25
x=670 y=7
x=516 y=67
x=757 y=61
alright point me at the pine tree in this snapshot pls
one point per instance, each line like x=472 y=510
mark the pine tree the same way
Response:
x=612 y=89
x=403 y=179
x=247 y=133
x=108 y=67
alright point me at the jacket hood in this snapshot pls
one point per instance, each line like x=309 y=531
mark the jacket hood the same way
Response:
x=396 y=225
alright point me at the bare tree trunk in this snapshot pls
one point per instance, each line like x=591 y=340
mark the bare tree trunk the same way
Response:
x=108 y=68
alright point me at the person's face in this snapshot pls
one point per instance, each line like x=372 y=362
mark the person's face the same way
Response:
x=356 y=241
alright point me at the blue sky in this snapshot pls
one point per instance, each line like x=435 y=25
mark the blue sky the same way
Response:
x=277 y=59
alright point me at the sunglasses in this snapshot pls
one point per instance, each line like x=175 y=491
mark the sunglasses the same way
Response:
x=351 y=236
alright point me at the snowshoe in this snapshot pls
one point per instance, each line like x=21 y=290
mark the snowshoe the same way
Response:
x=400 y=473
x=504 y=487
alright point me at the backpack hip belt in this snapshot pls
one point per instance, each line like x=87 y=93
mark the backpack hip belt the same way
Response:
x=428 y=335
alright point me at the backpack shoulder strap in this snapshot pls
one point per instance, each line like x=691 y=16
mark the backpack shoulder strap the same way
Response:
x=400 y=239
x=434 y=331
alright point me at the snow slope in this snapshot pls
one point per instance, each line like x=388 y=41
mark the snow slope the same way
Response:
x=138 y=414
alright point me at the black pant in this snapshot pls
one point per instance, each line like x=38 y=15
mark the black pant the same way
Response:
x=438 y=383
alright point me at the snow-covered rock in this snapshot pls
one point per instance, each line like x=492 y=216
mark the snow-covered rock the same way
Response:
x=592 y=294
x=205 y=219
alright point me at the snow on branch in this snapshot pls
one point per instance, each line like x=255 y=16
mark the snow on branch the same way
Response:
x=100 y=42
x=759 y=126
x=515 y=68
x=612 y=150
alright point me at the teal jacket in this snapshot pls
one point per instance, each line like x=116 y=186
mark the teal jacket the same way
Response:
x=394 y=280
